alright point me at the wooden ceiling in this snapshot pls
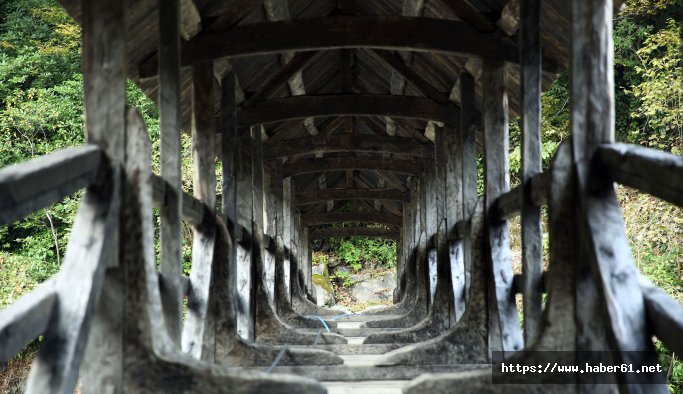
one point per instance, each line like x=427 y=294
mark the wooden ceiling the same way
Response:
x=378 y=79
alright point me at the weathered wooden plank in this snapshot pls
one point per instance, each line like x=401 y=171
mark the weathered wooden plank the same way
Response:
x=193 y=210
x=169 y=130
x=648 y=170
x=403 y=167
x=664 y=315
x=204 y=185
x=38 y=183
x=348 y=143
x=532 y=248
x=496 y=141
x=26 y=319
x=509 y=205
x=301 y=107
x=104 y=75
x=320 y=233
x=270 y=85
x=104 y=90
x=243 y=151
x=619 y=303
x=395 y=62
x=89 y=252
x=385 y=32
x=468 y=156
x=351 y=194
x=339 y=217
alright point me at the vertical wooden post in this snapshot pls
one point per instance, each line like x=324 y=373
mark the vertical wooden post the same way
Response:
x=287 y=206
x=104 y=87
x=244 y=204
x=532 y=249
x=468 y=157
x=228 y=146
x=496 y=142
x=204 y=182
x=169 y=125
x=454 y=213
x=607 y=287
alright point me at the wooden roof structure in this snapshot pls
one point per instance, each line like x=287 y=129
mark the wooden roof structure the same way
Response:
x=349 y=92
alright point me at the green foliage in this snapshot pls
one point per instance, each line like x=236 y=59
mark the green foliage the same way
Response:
x=357 y=251
x=344 y=277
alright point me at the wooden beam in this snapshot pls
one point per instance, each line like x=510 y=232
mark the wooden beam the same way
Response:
x=361 y=217
x=348 y=143
x=509 y=205
x=26 y=319
x=403 y=167
x=204 y=185
x=271 y=85
x=387 y=32
x=351 y=194
x=329 y=232
x=38 y=183
x=532 y=246
x=170 y=263
x=665 y=315
x=507 y=336
x=301 y=107
x=395 y=62
x=648 y=170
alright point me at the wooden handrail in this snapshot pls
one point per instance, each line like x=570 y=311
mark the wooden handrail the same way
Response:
x=648 y=170
x=30 y=186
x=509 y=204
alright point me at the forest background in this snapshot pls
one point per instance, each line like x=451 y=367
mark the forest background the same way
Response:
x=41 y=110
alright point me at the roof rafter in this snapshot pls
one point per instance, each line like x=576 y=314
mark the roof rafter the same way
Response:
x=347 y=143
x=352 y=194
x=404 y=167
x=426 y=34
x=299 y=107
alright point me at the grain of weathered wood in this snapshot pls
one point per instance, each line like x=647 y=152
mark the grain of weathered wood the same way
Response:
x=345 y=163
x=271 y=85
x=468 y=149
x=104 y=75
x=244 y=150
x=193 y=210
x=301 y=107
x=395 y=62
x=204 y=185
x=467 y=340
x=496 y=141
x=169 y=130
x=26 y=319
x=347 y=143
x=509 y=204
x=351 y=194
x=648 y=170
x=607 y=252
x=90 y=248
x=386 y=32
x=35 y=184
x=664 y=314
x=532 y=248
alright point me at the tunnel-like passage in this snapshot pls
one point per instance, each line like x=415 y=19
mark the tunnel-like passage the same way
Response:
x=321 y=113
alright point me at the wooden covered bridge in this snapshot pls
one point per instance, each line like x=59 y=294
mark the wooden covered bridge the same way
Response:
x=307 y=105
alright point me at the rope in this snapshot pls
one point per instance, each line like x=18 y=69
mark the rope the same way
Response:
x=281 y=354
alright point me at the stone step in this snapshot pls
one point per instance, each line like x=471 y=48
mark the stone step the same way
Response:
x=354 y=346
x=349 y=373
x=366 y=387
